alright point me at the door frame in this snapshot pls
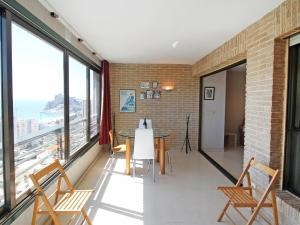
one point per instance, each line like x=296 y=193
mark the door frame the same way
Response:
x=210 y=159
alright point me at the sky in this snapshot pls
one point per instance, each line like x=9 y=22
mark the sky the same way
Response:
x=38 y=69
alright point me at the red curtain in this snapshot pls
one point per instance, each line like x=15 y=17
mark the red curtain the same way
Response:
x=105 y=125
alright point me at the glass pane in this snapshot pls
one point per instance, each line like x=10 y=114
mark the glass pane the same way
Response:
x=95 y=102
x=297 y=97
x=38 y=103
x=294 y=144
x=77 y=104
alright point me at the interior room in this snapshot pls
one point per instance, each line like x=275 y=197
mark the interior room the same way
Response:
x=223 y=118
x=149 y=112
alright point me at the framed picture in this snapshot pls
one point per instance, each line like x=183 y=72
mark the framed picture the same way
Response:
x=142 y=95
x=149 y=94
x=147 y=84
x=142 y=85
x=155 y=84
x=156 y=94
x=127 y=100
x=209 y=93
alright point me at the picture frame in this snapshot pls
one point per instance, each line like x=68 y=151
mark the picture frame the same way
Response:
x=142 y=85
x=142 y=95
x=127 y=100
x=149 y=94
x=156 y=94
x=147 y=84
x=209 y=93
x=154 y=84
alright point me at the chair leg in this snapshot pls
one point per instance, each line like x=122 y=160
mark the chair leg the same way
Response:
x=112 y=161
x=35 y=209
x=169 y=161
x=275 y=212
x=87 y=219
x=223 y=211
x=133 y=170
x=154 y=170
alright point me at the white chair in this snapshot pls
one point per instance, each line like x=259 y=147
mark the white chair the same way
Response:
x=143 y=147
x=148 y=121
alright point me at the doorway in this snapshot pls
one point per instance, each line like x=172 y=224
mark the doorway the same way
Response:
x=222 y=113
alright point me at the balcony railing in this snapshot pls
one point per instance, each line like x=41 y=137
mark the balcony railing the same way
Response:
x=36 y=150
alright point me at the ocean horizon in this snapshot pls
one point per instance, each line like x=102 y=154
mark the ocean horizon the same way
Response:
x=33 y=109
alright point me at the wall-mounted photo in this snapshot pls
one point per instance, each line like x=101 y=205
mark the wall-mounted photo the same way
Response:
x=142 y=95
x=156 y=94
x=154 y=84
x=209 y=93
x=147 y=84
x=149 y=94
x=127 y=100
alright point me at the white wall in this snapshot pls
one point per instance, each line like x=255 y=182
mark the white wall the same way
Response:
x=213 y=113
x=235 y=98
x=74 y=172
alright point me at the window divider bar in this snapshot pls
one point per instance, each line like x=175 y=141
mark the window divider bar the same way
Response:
x=66 y=108
x=7 y=109
x=88 y=104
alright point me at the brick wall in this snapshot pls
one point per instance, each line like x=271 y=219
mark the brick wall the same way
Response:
x=170 y=110
x=264 y=47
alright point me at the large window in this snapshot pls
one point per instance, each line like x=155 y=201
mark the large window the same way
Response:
x=292 y=163
x=38 y=104
x=94 y=102
x=39 y=77
x=77 y=104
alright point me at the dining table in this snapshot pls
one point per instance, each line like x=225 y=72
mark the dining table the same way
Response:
x=159 y=136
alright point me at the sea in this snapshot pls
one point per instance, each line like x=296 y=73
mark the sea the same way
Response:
x=34 y=109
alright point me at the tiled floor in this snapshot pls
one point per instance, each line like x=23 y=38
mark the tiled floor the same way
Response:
x=187 y=196
x=231 y=159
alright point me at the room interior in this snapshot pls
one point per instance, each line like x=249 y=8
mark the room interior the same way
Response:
x=223 y=119
x=149 y=112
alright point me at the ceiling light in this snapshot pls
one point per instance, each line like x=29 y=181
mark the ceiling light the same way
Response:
x=175 y=43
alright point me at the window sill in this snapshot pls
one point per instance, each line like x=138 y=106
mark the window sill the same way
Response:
x=291 y=200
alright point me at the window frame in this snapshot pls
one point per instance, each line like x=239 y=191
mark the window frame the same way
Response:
x=100 y=100
x=293 y=57
x=70 y=54
x=11 y=13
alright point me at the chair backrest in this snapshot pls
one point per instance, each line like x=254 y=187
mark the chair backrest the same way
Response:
x=111 y=138
x=148 y=121
x=36 y=177
x=262 y=168
x=143 y=144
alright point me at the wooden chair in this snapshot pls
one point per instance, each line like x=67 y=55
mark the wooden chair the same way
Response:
x=242 y=197
x=65 y=203
x=115 y=149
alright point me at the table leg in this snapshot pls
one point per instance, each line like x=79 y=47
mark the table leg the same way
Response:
x=157 y=146
x=128 y=156
x=162 y=155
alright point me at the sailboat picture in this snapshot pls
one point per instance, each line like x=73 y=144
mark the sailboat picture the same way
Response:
x=127 y=100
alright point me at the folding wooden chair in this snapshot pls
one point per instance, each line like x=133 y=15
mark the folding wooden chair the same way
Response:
x=69 y=202
x=242 y=197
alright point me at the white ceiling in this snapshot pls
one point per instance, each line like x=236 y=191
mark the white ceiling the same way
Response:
x=159 y=31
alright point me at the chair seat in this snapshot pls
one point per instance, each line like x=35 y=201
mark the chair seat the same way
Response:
x=239 y=197
x=73 y=202
x=120 y=148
